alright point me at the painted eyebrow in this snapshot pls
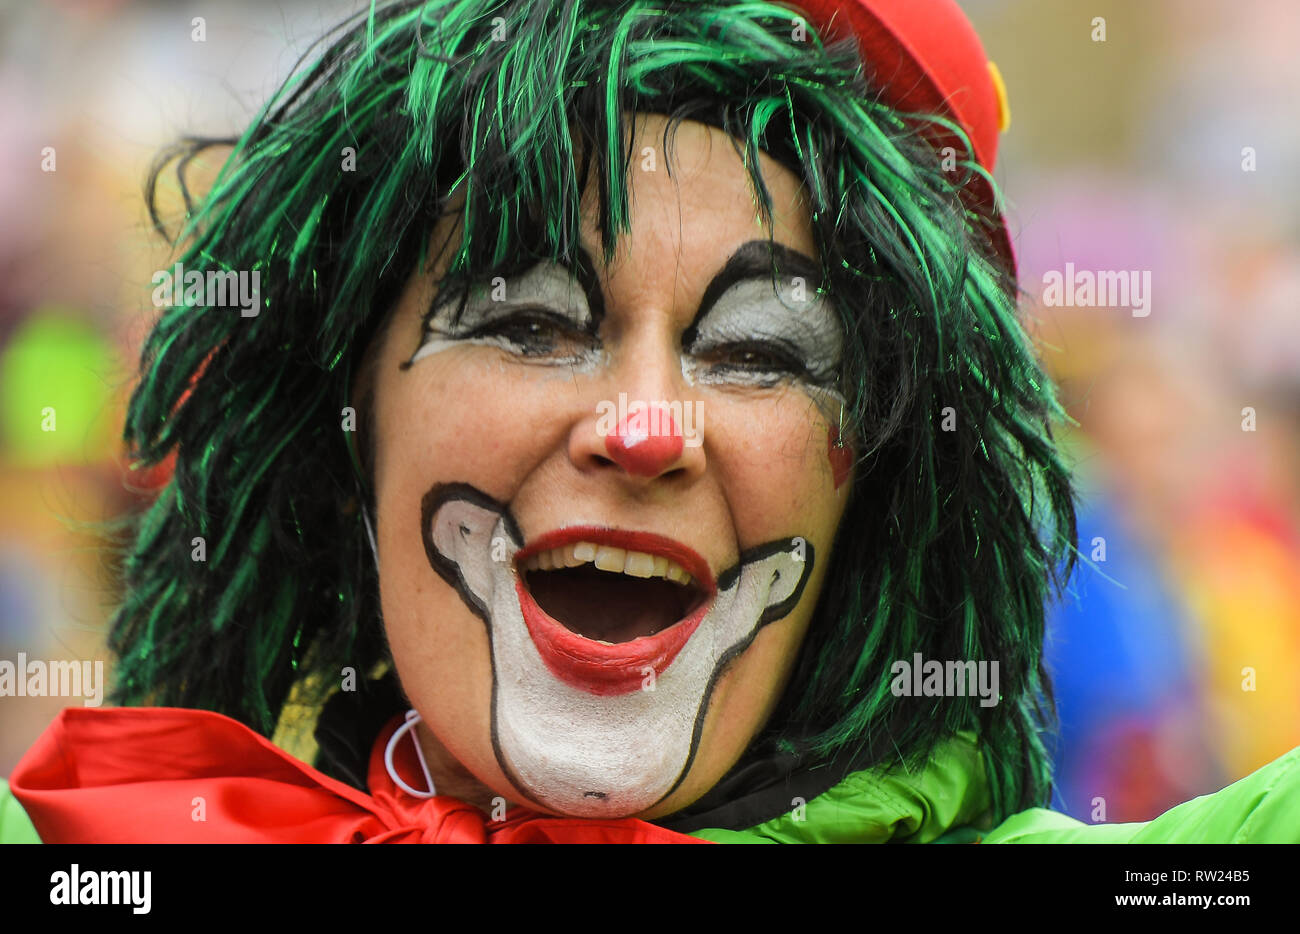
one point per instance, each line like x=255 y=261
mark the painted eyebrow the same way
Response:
x=756 y=259
x=753 y=260
x=580 y=268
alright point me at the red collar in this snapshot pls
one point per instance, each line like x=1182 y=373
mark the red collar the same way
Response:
x=148 y=774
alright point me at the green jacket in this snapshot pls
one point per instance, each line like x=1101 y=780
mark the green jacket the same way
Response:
x=14 y=825
x=948 y=803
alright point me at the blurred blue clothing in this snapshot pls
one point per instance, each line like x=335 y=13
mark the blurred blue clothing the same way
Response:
x=1123 y=671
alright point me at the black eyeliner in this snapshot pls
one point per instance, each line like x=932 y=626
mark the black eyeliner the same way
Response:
x=753 y=260
x=582 y=269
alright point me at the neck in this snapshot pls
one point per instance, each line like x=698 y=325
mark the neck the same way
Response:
x=451 y=778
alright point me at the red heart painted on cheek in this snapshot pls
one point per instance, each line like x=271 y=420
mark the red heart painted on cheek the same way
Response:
x=840 y=455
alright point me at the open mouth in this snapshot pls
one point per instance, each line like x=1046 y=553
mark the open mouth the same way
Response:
x=611 y=595
x=608 y=609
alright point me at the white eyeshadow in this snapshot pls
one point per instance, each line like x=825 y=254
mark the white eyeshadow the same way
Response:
x=753 y=310
x=547 y=285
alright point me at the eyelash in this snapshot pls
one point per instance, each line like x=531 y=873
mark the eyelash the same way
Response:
x=783 y=361
x=533 y=319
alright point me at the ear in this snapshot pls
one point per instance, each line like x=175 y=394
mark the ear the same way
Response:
x=466 y=534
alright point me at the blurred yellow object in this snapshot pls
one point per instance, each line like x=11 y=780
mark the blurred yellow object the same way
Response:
x=1004 y=106
x=57 y=374
x=1243 y=585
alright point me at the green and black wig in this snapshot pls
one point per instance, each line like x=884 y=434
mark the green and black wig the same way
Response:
x=953 y=539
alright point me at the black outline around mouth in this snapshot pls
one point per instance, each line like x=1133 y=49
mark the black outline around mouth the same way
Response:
x=442 y=493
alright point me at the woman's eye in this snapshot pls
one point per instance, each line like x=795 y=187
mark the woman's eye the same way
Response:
x=755 y=357
x=535 y=332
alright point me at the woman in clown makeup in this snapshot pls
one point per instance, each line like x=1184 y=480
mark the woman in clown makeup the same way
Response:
x=635 y=441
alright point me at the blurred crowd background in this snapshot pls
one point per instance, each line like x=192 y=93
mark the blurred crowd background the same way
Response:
x=1172 y=146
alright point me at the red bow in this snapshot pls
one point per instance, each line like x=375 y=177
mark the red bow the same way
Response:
x=169 y=775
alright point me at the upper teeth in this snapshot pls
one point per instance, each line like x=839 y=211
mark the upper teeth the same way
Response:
x=607 y=558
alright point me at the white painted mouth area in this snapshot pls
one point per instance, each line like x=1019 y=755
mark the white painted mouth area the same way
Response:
x=578 y=753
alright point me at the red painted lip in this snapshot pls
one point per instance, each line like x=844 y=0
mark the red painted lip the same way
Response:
x=611 y=670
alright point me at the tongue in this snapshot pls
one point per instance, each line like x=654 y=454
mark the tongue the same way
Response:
x=606 y=606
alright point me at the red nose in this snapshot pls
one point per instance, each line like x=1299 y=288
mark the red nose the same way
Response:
x=647 y=443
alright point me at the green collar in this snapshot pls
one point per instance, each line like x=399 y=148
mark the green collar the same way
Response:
x=947 y=801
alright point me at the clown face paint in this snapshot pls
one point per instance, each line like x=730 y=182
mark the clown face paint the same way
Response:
x=584 y=726
x=521 y=317
x=490 y=468
x=785 y=327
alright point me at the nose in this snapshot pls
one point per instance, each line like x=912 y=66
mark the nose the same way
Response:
x=643 y=439
x=644 y=427
x=648 y=443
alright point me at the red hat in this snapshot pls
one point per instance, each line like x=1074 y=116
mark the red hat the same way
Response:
x=925 y=58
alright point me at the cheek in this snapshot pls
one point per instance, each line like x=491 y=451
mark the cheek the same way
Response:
x=443 y=664
x=425 y=635
x=778 y=466
x=461 y=415
x=780 y=481
x=745 y=696
x=455 y=417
